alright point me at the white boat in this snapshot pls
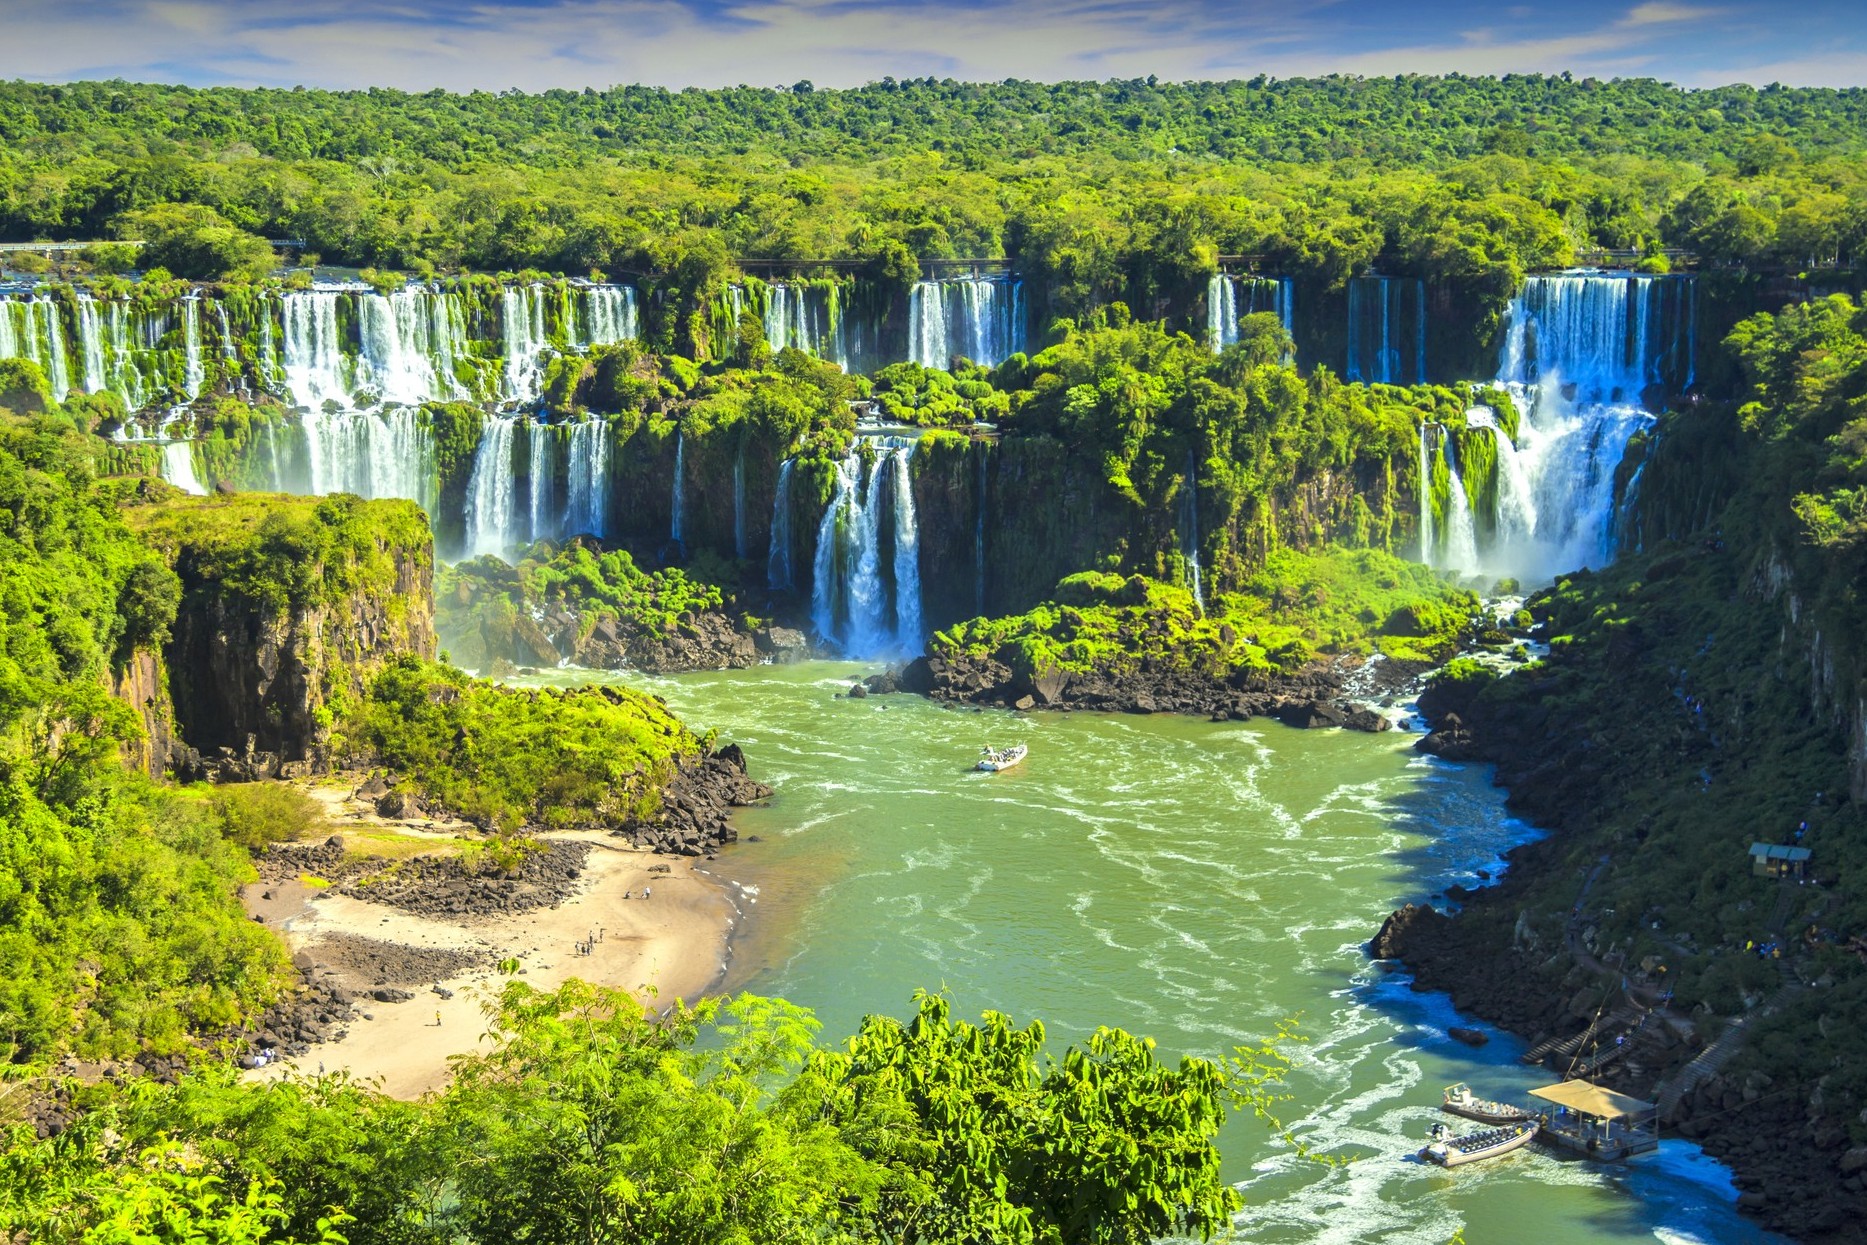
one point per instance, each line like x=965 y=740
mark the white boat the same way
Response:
x=1450 y=1151
x=995 y=759
x=1460 y=1100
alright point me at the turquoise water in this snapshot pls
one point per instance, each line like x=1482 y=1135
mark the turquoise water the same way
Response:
x=1187 y=880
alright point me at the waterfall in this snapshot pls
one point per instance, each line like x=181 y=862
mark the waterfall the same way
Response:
x=124 y=377
x=313 y=351
x=978 y=318
x=227 y=351
x=908 y=634
x=541 y=462
x=1461 y=552
x=1189 y=517
x=1221 y=312
x=1381 y=312
x=849 y=592
x=90 y=345
x=680 y=487
x=739 y=503
x=1579 y=353
x=272 y=450
x=370 y=453
x=609 y=315
x=778 y=561
x=411 y=341
x=1260 y=294
x=194 y=370
x=587 y=509
x=492 y=491
x=30 y=329
x=58 y=371
x=523 y=320
x=178 y=467
x=269 y=371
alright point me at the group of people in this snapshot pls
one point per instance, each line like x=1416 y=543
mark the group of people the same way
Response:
x=588 y=945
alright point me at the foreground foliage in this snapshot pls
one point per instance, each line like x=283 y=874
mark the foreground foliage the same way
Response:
x=593 y=1119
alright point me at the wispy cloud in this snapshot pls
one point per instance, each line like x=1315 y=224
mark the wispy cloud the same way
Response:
x=533 y=44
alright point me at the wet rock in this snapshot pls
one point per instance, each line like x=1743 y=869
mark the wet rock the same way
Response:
x=1471 y=1037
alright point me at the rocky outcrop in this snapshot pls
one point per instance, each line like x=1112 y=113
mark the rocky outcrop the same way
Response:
x=250 y=676
x=705 y=640
x=695 y=817
x=1307 y=698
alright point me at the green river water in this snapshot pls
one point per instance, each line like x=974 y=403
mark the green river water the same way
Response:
x=1187 y=880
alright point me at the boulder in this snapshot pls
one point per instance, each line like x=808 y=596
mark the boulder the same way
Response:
x=1471 y=1037
x=1365 y=719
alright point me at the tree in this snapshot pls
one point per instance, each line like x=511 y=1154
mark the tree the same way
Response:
x=193 y=240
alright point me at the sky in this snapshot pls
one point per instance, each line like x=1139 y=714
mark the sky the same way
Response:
x=535 y=44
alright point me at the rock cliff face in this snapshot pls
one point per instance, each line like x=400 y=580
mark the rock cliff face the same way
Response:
x=251 y=668
x=141 y=685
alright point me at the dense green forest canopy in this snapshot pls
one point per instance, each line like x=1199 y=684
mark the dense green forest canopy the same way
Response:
x=1135 y=187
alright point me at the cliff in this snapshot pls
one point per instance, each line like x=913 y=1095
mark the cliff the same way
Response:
x=289 y=606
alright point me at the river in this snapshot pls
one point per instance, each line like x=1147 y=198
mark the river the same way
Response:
x=1187 y=880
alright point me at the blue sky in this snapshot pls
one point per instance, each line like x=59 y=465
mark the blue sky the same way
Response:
x=534 y=44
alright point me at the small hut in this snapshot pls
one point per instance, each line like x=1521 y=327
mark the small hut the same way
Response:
x=1774 y=860
x=1597 y=1122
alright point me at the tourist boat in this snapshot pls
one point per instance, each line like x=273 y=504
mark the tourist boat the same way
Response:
x=1460 y=1100
x=996 y=759
x=1450 y=1151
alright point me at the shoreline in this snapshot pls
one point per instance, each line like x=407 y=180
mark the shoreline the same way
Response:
x=674 y=945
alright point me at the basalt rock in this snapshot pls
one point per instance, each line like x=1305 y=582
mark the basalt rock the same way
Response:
x=695 y=813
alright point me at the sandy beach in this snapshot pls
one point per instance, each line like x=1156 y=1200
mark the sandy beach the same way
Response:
x=671 y=945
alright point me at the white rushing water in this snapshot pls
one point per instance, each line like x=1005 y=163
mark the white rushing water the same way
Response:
x=854 y=604
x=1229 y=298
x=522 y=319
x=1581 y=352
x=492 y=491
x=978 y=318
x=541 y=468
x=178 y=467
x=587 y=480
x=194 y=368
x=609 y=316
x=1189 y=523
x=778 y=561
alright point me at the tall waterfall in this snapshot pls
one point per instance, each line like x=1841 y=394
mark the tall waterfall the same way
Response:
x=778 y=562
x=851 y=596
x=411 y=341
x=370 y=453
x=1428 y=435
x=587 y=480
x=314 y=364
x=978 y=318
x=194 y=371
x=609 y=316
x=90 y=344
x=523 y=318
x=492 y=491
x=1461 y=532
x=178 y=467
x=541 y=466
x=1581 y=352
x=806 y=318
x=1387 y=330
x=1189 y=520
x=31 y=329
x=1224 y=307
x=228 y=353
x=978 y=528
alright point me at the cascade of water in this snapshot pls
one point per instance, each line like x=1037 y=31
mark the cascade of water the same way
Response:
x=679 y=523
x=58 y=369
x=739 y=503
x=90 y=345
x=609 y=315
x=778 y=561
x=908 y=634
x=1579 y=351
x=1382 y=311
x=125 y=378
x=227 y=351
x=1461 y=552
x=541 y=462
x=269 y=372
x=826 y=581
x=979 y=318
x=178 y=467
x=370 y=453
x=9 y=330
x=1189 y=517
x=194 y=369
x=314 y=367
x=272 y=449
x=588 y=479
x=410 y=341
x=492 y=491
x=523 y=321
x=864 y=591
x=1221 y=312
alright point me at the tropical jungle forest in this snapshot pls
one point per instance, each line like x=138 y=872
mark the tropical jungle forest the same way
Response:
x=1028 y=663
